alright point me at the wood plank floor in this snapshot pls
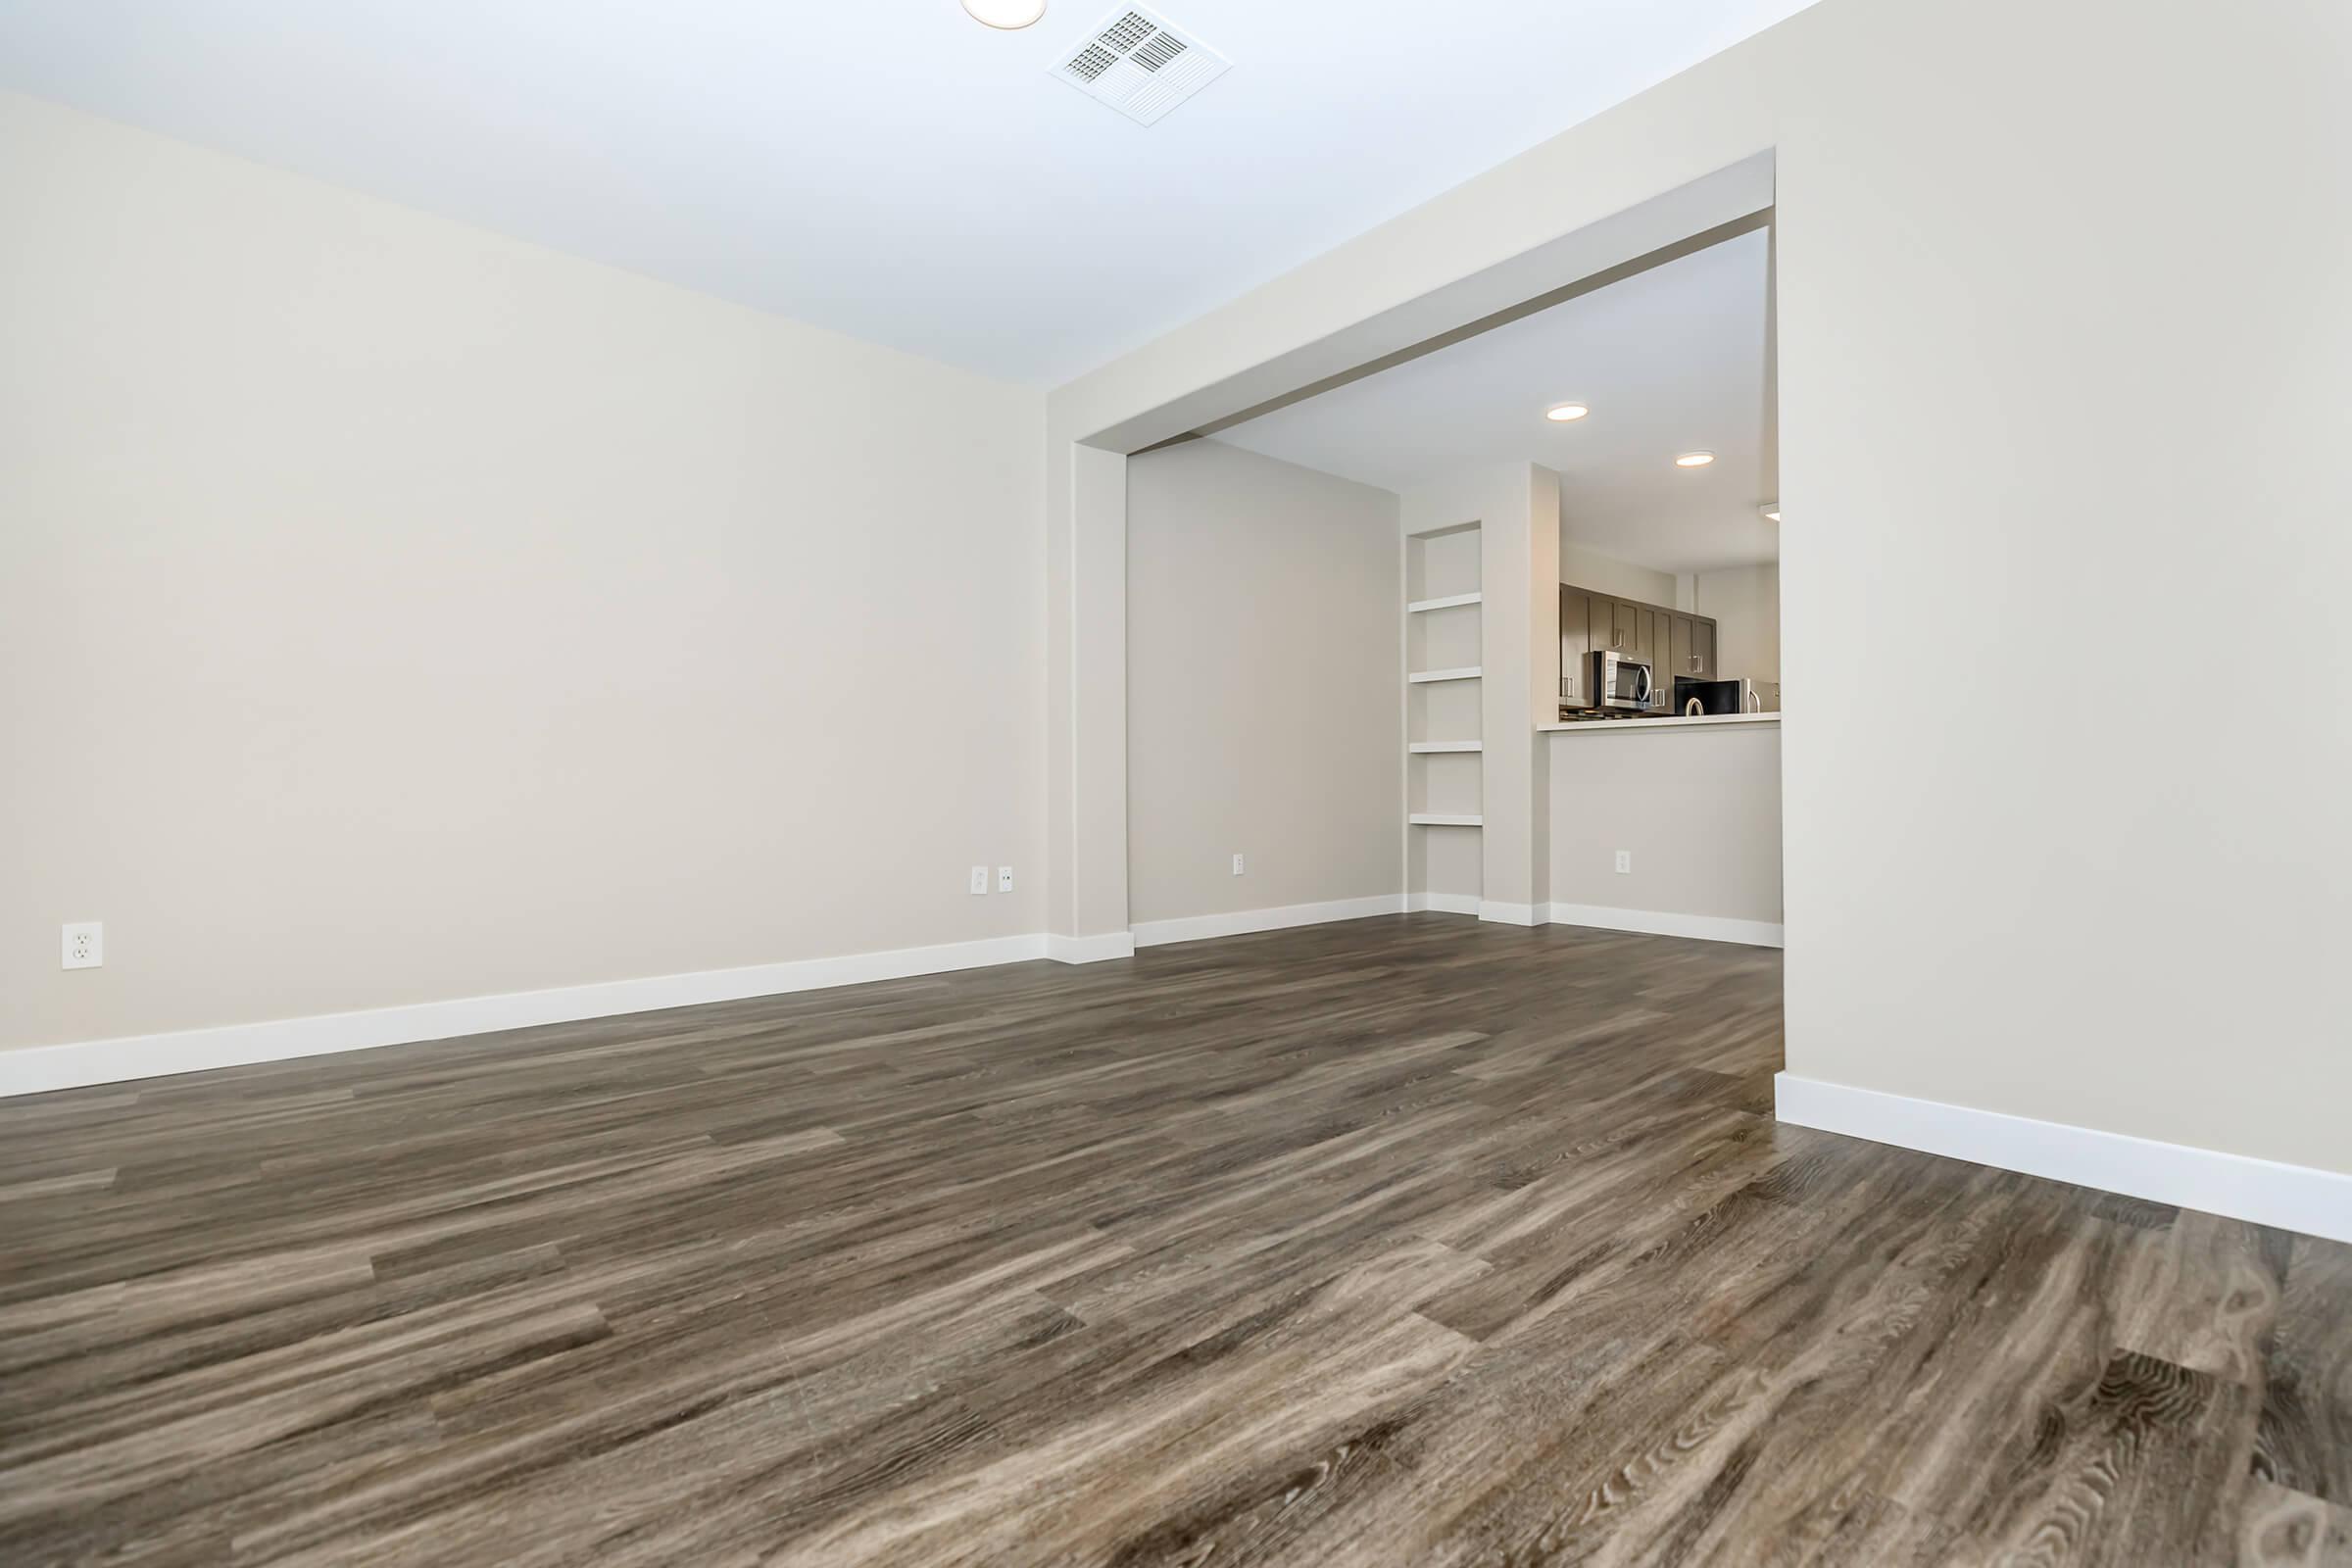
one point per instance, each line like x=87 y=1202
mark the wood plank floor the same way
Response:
x=1409 y=1242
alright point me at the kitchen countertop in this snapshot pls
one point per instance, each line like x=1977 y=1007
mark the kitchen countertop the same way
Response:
x=1579 y=726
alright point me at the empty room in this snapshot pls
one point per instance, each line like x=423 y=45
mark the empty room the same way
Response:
x=968 y=782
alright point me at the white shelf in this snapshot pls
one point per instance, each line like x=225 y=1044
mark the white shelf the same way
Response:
x=1423 y=677
x=1444 y=819
x=1444 y=531
x=1454 y=602
x=1425 y=748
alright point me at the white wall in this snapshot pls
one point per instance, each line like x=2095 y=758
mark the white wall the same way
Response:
x=1744 y=603
x=1264 y=613
x=390 y=612
x=1581 y=567
x=2010 y=233
x=1698 y=807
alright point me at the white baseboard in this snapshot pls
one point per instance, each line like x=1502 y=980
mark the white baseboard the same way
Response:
x=36 y=1069
x=1442 y=902
x=1512 y=914
x=1091 y=949
x=1706 y=927
x=2295 y=1197
x=1240 y=922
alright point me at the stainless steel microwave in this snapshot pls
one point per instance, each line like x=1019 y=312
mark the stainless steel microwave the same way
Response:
x=1620 y=680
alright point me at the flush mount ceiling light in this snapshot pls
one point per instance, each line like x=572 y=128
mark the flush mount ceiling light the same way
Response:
x=1005 y=14
x=1562 y=412
x=1695 y=459
x=1771 y=510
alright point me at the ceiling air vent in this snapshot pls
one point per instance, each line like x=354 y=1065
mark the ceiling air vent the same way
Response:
x=1139 y=64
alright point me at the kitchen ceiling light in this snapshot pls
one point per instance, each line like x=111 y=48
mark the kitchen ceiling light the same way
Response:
x=1695 y=459
x=1008 y=15
x=1562 y=412
x=1771 y=510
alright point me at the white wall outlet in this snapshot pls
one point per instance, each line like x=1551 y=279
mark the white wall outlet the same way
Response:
x=1003 y=880
x=1237 y=865
x=1625 y=862
x=979 y=879
x=84 y=944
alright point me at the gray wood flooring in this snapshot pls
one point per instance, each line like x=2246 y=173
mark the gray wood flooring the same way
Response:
x=1408 y=1242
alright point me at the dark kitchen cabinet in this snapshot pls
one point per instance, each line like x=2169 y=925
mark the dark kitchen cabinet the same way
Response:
x=1661 y=693
x=1602 y=613
x=1576 y=641
x=1675 y=642
x=1691 y=649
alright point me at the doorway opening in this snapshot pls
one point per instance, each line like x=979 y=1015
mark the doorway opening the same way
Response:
x=1570 y=710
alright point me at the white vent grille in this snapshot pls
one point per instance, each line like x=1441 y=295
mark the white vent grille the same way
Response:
x=1139 y=64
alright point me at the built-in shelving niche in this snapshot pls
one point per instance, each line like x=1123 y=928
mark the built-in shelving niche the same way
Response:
x=1444 y=639
x=1447 y=783
x=1445 y=711
x=1444 y=773
x=1442 y=563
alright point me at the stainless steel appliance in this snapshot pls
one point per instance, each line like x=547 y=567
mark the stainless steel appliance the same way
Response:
x=1619 y=679
x=1740 y=696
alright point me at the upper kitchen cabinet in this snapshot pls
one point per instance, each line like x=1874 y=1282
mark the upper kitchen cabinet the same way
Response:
x=1660 y=629
x=1576 y=641
x=1675 y=642
x=1632 y=627
x=1603 y=614
x=1689 y=649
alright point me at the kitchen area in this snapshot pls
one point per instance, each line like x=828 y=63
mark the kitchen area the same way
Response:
x=1662 y=770
x=1621 y=659
x=1590 y=686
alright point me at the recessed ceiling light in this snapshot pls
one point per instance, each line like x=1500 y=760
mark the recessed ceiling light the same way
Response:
x=1695 y=459
x=1562 y=412
x=1771 y=510
x=1005 y=14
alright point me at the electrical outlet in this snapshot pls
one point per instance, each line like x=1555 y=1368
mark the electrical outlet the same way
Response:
x=979 y=879
x=84 y=944
x=1625 y=862
x=1003 y=880
x=1237 y=865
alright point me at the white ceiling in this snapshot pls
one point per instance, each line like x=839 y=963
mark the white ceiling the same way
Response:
x=1668 y=360
x=887 y=168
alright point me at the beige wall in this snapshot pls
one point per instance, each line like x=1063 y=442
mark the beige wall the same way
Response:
x=2010 y=234
x=1589 y=568
x=1263 y=618
x=1698 y=807
x=1744 y=603
x=2029 y=907
x=391 y=612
